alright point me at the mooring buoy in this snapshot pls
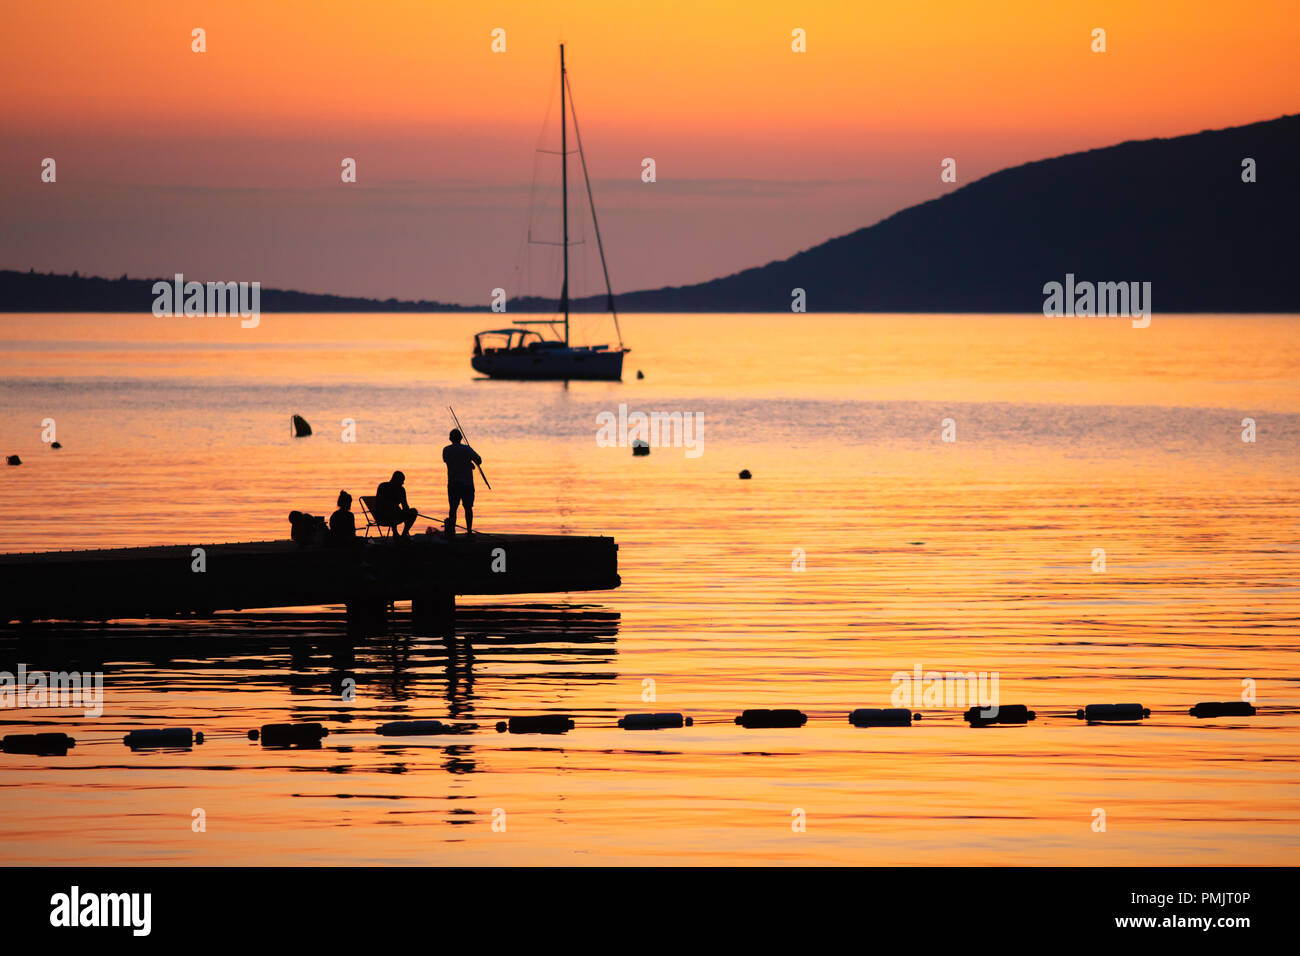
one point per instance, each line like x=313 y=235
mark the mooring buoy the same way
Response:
x=300 y=427
x=56 y=445
x=1006 y=714
x=415 y=728
x=745 y=475
x=640 y=447
x=886 y=717
x=1099 y=712
x=13 y=460
x=772 y=718
x=640 y=374
x=39 y=745
x=540 y=724
x=654 y=721
x=286 y=735
x=163 y=737
x=1224 y=708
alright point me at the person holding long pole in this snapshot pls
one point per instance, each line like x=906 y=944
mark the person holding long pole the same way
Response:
x=460 y=460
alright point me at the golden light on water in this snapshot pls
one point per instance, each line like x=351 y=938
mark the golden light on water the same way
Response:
x=974 y=555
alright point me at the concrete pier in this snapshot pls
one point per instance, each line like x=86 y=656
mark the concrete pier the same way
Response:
x=201 y=579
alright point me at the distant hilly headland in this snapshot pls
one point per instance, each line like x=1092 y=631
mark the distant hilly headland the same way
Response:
x=1209 y=219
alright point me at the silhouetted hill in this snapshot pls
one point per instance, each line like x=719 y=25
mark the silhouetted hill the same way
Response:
x=1172 y=212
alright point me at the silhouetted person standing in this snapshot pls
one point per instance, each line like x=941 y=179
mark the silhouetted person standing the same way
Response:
x=393 y=509
x=460 y=460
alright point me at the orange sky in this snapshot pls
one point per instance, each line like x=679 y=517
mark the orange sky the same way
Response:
x=286 y=65
x=711 y=90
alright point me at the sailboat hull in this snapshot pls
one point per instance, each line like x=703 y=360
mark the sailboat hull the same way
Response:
x=553 y=363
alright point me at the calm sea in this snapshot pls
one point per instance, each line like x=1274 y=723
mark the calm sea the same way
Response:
x=864 y=545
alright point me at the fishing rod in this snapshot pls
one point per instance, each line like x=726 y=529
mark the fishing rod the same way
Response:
x=466 y=437
x=443 y=521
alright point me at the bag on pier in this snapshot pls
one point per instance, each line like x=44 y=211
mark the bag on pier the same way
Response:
x=306 y=529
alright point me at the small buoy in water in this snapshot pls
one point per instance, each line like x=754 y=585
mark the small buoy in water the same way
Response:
x=13 y=460
x=640 y=374
x=653 y=721
x=253 y=734
x=165 y=737
x=541 y=724
x=1006 y=714
x=1223 y=708
x=300 y=427
x=772 y=718
x=198 y=738
x=286 y=735
x=640 y=447
x=55 y=444
x=39 y=745
x=887 y=717
x=414 y=728
x=1113 y=712
x=745 y=475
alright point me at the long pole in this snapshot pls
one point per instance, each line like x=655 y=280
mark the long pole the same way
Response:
x=466 y=439
x=564 y=190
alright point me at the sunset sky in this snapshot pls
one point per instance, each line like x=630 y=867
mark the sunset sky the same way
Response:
x=225 y=164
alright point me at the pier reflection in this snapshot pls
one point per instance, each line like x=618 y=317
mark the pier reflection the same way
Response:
x=233 y=672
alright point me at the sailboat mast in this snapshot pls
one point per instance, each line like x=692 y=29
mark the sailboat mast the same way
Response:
x=564 y=193
x=586 y=176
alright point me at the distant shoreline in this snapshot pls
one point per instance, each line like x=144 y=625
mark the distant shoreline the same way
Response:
x=58 y=294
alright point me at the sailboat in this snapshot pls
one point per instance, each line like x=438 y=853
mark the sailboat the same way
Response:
x=522 y=353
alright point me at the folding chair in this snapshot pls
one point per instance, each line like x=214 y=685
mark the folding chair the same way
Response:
x=369 y=505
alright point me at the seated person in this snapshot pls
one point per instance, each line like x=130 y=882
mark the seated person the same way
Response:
x=393 y=509
x=343 y=523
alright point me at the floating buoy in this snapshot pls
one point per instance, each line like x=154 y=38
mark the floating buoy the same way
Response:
x=745 y=475
x=541 y=724
x=300 y=427
x=415 y=728
x=1223 y=708
x=40 y=745
x=653 y=721
x=1007 y=714
x=13 y=460
x=640 y=374
x=640 y=447
x=1094 y=712
x=165 y=737
x=286 y=735
x=887 y=717
x=772 y=718
x=56 y=445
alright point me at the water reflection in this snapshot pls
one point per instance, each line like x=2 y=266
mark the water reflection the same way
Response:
x=232 y=672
